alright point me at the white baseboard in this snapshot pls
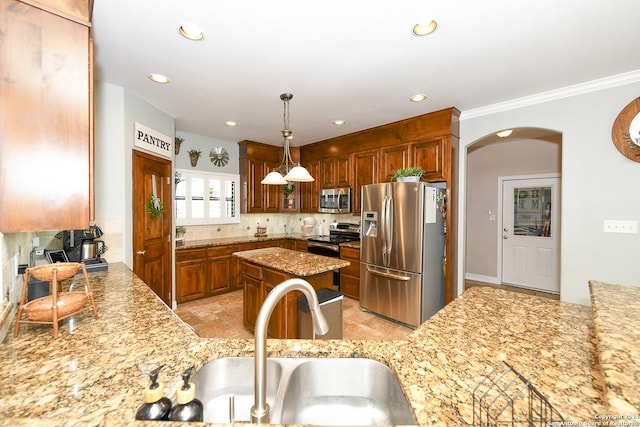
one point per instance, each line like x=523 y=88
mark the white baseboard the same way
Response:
x=480 y=278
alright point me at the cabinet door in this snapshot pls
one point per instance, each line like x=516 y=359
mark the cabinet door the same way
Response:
x=430 y=156
x=365 y=165
x=301 y=245
x=44 y=120
x=327 y=173
x=350 y=276
x=255 y=191
x=343 y=171
x=278 y=327
x=236 y=263
x=190 y=275
x=309 y=191
x=273 y=194
x=391 y=159
x=251 y=300
x=220 y=273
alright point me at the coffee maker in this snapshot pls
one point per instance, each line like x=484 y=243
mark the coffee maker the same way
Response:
x=82 y=246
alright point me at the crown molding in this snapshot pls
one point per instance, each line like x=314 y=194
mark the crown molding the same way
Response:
x=565 y=92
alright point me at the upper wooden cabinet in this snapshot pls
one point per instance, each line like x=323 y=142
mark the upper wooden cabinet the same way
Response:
x=336 y=171
x=44 y=116
x=366 y=165
x=309 y=191
x=391 y=159
x=433 y=156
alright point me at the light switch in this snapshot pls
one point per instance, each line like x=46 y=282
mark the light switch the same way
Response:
x=627 y=227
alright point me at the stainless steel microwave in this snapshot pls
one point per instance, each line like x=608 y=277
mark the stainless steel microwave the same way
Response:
x=335 y=200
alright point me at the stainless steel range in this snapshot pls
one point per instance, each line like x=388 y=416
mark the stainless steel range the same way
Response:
x=339 y=232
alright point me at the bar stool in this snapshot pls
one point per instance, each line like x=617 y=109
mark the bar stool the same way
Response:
x=51 y=309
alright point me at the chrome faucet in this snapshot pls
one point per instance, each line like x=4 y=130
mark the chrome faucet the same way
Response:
x=260 y=409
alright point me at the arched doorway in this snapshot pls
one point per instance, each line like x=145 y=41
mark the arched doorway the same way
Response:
x=491 y=161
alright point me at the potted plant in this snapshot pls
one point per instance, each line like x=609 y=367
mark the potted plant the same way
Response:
x=178 y=142
x=412 y=174
x=194 y=155
x=180 y=230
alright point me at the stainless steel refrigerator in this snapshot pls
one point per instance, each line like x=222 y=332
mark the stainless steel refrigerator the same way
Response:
x=402 y=250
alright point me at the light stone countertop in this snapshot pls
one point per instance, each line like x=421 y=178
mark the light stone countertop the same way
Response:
x=224 y=241
x=89 y=375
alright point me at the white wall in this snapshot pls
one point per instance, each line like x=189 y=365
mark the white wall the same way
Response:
x=598 y=182
x=205 y=144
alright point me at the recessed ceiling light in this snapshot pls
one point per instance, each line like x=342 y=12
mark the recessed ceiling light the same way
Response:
x=231 y=124
x=504 y=133
x=339 y=122
x=191 y=32
x=159 y=78
x=424 y=29
x=418 y=98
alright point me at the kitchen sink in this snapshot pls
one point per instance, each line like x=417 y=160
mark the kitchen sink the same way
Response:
x=310 y=391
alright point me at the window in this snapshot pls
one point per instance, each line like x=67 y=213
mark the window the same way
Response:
x=206 y=198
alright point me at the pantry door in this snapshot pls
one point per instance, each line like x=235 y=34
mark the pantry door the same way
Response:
x=152 y=256
x=530 y=233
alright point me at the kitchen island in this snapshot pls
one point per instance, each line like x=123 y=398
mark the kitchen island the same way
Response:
x=90 y=375
x=263 y=269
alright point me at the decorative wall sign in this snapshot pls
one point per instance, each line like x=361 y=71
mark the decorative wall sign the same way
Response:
x=153 y=140
x=626 y=131
x=219 y=156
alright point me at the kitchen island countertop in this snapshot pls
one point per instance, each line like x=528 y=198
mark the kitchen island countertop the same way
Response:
x=90 y=375
x=301 y=264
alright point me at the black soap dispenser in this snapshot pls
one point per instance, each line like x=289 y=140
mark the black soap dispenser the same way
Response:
x=188 y=408
x=155 y=406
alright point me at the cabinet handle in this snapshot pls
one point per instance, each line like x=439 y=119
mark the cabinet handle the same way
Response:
x=141 y=252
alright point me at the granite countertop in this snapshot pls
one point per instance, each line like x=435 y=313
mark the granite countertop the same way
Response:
x=354 y=244
x=224 y=241
x=297 y=263
x=616 y=314
x=90 y=375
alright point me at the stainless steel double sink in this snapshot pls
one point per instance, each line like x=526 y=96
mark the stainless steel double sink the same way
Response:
x=311 y=391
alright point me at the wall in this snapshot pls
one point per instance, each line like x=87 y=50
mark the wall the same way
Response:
x=598 y=182
x=205 y=144
x=484 y=166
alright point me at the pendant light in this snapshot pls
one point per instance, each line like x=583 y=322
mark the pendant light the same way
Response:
x=293 y=172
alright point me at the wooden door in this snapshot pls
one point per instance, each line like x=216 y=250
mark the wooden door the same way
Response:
x=152 y=258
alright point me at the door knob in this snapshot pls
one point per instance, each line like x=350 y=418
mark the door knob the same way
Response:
x=505 y=229
x=505 y=237
x=141 y=252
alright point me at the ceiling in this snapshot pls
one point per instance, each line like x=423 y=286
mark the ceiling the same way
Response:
x=352 y=60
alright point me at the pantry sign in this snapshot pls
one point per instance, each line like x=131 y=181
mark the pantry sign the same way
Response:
x=153 y=140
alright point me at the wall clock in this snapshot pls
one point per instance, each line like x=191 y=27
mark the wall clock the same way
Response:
x=219 y=156
x=626 y=131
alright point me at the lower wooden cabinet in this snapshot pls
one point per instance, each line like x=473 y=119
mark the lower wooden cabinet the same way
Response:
x=350 y=276
x=220 y=270
x=191 y=275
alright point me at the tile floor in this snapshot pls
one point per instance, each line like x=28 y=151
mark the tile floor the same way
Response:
x=221 y=317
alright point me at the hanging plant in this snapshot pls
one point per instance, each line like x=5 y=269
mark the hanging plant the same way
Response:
x=178 y=142
x=154 y=207
x=289 y=188
x=194 y=155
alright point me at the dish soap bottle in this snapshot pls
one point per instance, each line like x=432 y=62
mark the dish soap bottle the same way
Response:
x=155 y=406
x=188 y=408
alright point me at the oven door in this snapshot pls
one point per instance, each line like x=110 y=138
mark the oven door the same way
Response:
x=329 y=250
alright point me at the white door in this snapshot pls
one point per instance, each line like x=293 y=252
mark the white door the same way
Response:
x=530 y=233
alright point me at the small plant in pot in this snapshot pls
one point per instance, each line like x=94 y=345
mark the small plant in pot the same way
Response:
x=408 y=174
x=194 y=155
x=180 y=230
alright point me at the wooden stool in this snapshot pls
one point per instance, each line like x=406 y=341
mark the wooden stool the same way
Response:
x=51 y=309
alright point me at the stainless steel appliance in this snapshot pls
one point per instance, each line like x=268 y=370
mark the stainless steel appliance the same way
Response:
x=335 y=200
x=402 y=251
x=82 y=246
x=340 y=232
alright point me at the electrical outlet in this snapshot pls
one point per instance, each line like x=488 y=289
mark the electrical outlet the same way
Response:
x=626 y=227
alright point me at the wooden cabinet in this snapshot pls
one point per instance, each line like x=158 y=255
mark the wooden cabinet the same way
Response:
x=336 y=171
x=430 y=155
x=281 y=323
x=350 y=276
x=391 y=159
x=44 y=116
x=256 y=161
x=301 y=245
x=366 y=166
x=191 y=274
x=251 y=277
x=220 y=270
x=309 y=191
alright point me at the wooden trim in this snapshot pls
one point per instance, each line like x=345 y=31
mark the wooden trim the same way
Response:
x=79 y=15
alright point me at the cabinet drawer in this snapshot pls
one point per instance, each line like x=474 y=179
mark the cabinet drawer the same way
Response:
x=219 y=251
x=190 y=254
x=353 y=269
x=274 y=277
x=349 y=253
x=251 y=270
x=350 y=286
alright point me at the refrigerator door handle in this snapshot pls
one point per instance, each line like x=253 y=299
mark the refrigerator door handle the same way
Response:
x=389 y=225
x=384 y=230
x=389 y=275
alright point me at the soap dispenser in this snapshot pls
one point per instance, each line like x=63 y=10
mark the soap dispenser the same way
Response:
x=155 y=406
x=188 y=408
